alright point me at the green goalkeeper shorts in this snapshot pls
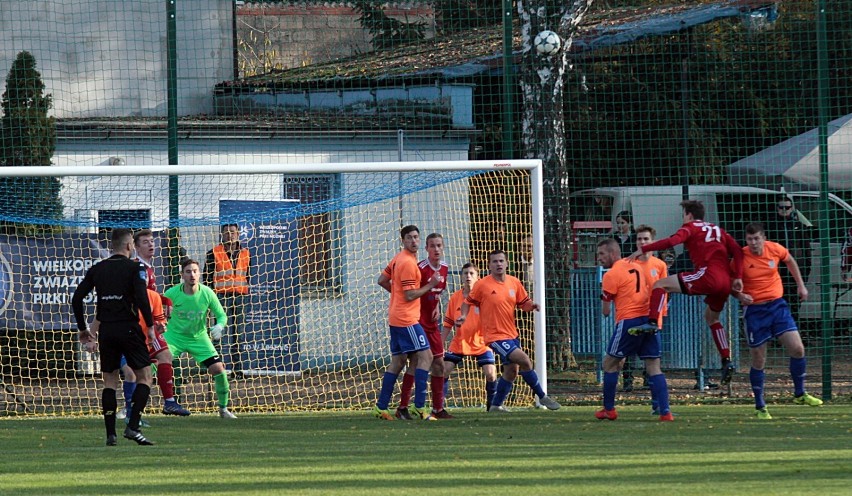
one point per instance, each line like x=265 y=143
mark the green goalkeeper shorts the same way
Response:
x=198 y=345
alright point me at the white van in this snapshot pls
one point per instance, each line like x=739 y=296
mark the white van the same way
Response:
x=731 y=207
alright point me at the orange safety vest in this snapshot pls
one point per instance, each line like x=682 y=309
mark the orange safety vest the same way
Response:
x=226 y=277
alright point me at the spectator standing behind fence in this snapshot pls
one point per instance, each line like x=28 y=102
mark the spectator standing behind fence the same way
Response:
x=846 y=258
x=787 y=229
x=767 y=315
x=526 y=269
x=120 y=284
x=226 y=270
x=624 y=234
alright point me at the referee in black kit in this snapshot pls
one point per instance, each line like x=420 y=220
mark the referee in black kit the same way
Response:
x=121 y=289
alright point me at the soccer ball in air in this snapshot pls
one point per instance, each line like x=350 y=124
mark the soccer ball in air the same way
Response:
x=547 y=43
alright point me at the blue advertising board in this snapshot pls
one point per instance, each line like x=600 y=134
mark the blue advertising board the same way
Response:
x=39 y=276
x=270 y=341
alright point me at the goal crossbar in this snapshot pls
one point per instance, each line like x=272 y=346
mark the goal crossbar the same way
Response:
x=304 y=168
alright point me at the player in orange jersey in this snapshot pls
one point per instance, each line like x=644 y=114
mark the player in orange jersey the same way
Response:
x=767 y=314
x=430 y=317
x=408 y=341
x=628 y=285
x=497 y=295
x=468 y=340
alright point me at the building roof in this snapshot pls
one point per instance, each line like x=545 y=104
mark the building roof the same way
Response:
x=457 y=58
x=479 y=51
x=297 y=124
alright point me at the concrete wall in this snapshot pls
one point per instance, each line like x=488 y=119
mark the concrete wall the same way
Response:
x=107 y=58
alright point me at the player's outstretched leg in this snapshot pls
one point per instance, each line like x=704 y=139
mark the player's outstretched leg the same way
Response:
x=656 y=304
x=531 y=378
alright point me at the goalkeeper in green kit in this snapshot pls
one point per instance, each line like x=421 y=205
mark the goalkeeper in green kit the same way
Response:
x=187 y=329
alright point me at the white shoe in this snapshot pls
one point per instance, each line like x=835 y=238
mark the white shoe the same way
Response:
x=549 y=403
x=121 y=414
x=498 y=409
x=225 y=414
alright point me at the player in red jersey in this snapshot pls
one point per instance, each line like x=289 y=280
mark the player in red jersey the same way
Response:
x=711 y=249
x=143 y=242
x=430 y=316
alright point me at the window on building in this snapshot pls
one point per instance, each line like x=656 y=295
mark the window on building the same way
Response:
x=319 y=250
x=132 y=219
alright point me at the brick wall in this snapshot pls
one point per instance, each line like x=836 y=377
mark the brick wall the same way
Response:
x=293 y=34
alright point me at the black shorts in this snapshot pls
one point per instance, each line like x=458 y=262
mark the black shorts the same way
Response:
x=122 y=338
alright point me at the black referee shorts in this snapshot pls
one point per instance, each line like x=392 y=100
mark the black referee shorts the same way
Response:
x=122 y=338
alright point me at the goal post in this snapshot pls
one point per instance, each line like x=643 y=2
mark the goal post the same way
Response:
x=312 y=333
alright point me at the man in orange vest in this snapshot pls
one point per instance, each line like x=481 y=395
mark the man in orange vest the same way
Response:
x=226 y=270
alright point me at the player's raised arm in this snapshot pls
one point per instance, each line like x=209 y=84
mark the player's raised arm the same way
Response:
x=675 y=239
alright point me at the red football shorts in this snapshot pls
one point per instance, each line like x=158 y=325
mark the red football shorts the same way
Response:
x=436 y=344
x=156 y=346
x=713 y=282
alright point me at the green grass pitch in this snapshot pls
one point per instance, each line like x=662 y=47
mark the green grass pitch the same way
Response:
x=710 y=449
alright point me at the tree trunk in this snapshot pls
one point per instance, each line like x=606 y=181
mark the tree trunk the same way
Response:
x=543 y=137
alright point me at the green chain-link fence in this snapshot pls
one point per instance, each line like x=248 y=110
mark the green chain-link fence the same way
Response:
x=632 y=106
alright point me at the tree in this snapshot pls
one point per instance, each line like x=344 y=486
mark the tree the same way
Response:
x=27 y=138
x=387 y=32
x=459 y=15
x=543 y=137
